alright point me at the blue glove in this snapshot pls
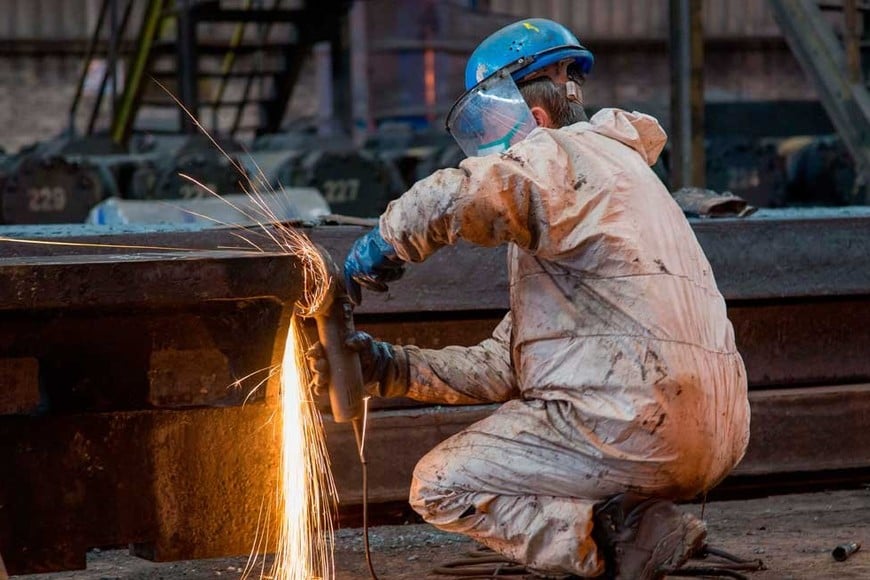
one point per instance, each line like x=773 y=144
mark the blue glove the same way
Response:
x=371 y=262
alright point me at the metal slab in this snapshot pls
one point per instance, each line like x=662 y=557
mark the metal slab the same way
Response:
x=125 y=332
x=114 y=335
x=810 y=429
x=789 y=254
x=177 y=484
x=152 y=279
x=115 y=359
x=773 y=254
x=794 y=343
x=783 y=344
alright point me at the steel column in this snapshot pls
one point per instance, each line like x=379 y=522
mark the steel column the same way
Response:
x=340 y=48
x=187 y=65
x=687 y=93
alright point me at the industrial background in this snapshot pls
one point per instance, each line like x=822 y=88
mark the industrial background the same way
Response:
x=766 y=134
x=116 y=426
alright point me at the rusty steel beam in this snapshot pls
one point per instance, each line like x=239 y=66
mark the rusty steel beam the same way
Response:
x=110 y=333
x=773 y=254
x=804 y=343
x=809 y=429
x=190 y=484
x=175 y=484
x=153 y=280
x=106 y=361
x=796 y=430
x=783 y=344
x=789 y=254
x=112 y=360
x=778 y=254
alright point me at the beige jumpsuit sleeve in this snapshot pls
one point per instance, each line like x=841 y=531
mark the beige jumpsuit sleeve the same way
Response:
x=458 y=376
x=486 y=201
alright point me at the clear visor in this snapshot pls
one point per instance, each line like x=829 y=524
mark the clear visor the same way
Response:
x=490 y=117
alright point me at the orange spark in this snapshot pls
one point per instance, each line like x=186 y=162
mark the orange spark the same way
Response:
x=305 y=536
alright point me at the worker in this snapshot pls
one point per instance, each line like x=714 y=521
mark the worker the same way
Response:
x=622 y=389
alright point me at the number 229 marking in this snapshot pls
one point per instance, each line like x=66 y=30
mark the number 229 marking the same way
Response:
x=46 y=199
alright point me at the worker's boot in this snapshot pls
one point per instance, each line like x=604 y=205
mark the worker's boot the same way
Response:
x=646 y=540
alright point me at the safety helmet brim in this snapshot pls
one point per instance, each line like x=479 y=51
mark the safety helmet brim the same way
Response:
x=581 y=57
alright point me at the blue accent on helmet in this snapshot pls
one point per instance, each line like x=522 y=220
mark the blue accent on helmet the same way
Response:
x=542 y=41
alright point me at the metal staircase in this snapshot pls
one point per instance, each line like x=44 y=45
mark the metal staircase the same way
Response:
x=226 y=63
x=831 y=41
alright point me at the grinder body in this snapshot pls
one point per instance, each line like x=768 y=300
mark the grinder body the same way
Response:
x=334 y=325
x=334 y=322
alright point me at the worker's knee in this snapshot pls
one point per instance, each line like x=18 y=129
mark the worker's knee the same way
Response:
x=433 y=494
x=426 y=493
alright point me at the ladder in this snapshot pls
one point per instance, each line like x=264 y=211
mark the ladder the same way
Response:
x=830 y=40
x=177 y=54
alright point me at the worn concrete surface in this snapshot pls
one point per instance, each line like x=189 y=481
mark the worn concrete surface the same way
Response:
x=792 y=534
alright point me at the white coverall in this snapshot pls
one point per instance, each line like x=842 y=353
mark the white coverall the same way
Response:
x=617 y=359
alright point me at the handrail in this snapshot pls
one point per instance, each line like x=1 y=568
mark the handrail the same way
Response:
x=264 y=37
x=228 y=63
x=111 y=69
x=89 y=56
x=122 y=123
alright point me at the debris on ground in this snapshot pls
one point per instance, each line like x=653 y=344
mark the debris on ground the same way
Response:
x=794 y=535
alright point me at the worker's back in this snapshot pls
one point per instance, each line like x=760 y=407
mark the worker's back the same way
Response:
x=615 y=307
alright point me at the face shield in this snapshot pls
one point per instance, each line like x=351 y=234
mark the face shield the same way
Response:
x=491 y=116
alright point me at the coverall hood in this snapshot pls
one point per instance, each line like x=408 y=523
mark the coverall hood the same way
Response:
x=639 y=131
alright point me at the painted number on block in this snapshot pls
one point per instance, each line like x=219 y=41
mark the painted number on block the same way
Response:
x=193 y=191
x=341 y=190
x=46 y=199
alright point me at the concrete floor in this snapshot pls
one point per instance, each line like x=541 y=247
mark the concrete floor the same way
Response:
x=792 y=534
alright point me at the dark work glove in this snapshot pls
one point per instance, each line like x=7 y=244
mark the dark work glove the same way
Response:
x=371 y=262
x=379 y=362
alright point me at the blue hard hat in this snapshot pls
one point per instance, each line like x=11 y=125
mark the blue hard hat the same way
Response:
x=542 y=41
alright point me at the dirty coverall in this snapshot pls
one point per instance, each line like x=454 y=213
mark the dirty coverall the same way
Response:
x=616 y=362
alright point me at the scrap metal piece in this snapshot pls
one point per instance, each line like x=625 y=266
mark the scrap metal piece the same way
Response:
x=844 y=551
x=705 y=203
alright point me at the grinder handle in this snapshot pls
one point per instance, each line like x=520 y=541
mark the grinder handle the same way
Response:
x=334 y=325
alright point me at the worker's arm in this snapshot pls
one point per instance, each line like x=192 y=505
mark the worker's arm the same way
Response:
x=463 y=375
x=486 y=201
x=454 y=375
